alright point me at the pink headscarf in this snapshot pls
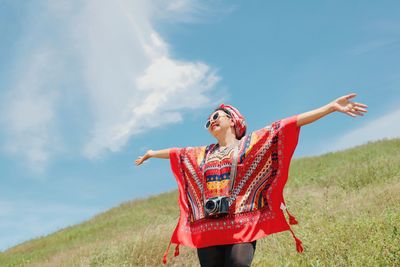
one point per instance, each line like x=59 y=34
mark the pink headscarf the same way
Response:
x=238 y=119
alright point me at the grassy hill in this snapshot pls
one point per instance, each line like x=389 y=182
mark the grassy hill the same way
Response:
x=347 y=204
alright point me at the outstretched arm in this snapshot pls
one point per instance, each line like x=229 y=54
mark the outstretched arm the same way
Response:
x=162 y=154
x=341 y=104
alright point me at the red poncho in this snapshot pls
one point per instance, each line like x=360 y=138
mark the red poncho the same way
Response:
x=257 y=199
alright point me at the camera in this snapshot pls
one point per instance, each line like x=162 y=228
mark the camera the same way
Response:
x=216 y=206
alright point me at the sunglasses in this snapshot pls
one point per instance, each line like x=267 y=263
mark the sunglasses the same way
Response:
x=214 y=118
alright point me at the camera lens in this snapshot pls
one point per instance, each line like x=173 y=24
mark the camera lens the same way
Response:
x=210 y=206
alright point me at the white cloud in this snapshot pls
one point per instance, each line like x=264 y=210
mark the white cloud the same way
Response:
x=28 y=112
x=386 y=126
x=192 y=11
x=133 y=82
x=113 y=54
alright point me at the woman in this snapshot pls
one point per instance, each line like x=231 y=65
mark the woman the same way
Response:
x=231 y=192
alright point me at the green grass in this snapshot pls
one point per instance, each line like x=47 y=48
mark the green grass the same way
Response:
x=347 y=205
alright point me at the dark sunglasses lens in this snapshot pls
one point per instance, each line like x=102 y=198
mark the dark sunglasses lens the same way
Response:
x=208 y=124
x=216 y=115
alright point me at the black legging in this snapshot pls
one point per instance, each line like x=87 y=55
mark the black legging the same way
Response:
x=234 y=255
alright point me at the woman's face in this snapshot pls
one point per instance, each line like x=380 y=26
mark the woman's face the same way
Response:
x=221 y=124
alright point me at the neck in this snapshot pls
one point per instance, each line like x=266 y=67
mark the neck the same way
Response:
x=227 y=140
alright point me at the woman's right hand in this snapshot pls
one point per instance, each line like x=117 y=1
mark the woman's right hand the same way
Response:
x=146 y=156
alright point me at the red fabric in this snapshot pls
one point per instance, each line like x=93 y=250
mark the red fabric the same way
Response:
x=266 y=154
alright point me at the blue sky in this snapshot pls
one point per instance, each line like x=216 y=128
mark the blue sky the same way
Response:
x=87 y=87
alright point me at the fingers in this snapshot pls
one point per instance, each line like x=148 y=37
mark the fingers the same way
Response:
x=356 y=108
x=139 y=160
x=350 y=95
x=350 y=113
x=360 y=109
x=360 y=105
x=357 y=112
x=354 y=112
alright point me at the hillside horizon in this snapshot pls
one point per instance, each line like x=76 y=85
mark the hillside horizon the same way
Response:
x=342 y=199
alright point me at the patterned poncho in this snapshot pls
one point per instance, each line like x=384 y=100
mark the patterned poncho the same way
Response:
x=255 y=195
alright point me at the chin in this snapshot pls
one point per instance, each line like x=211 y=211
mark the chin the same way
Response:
x=214 y=132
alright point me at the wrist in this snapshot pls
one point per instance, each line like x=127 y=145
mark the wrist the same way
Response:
x=330 y=108
x=150 y=153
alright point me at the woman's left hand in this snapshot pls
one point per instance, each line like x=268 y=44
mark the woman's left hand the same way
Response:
x=343 y=104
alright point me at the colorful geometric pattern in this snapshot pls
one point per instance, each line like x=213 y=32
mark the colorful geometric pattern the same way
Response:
x=257 y=193
x=250 y=188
